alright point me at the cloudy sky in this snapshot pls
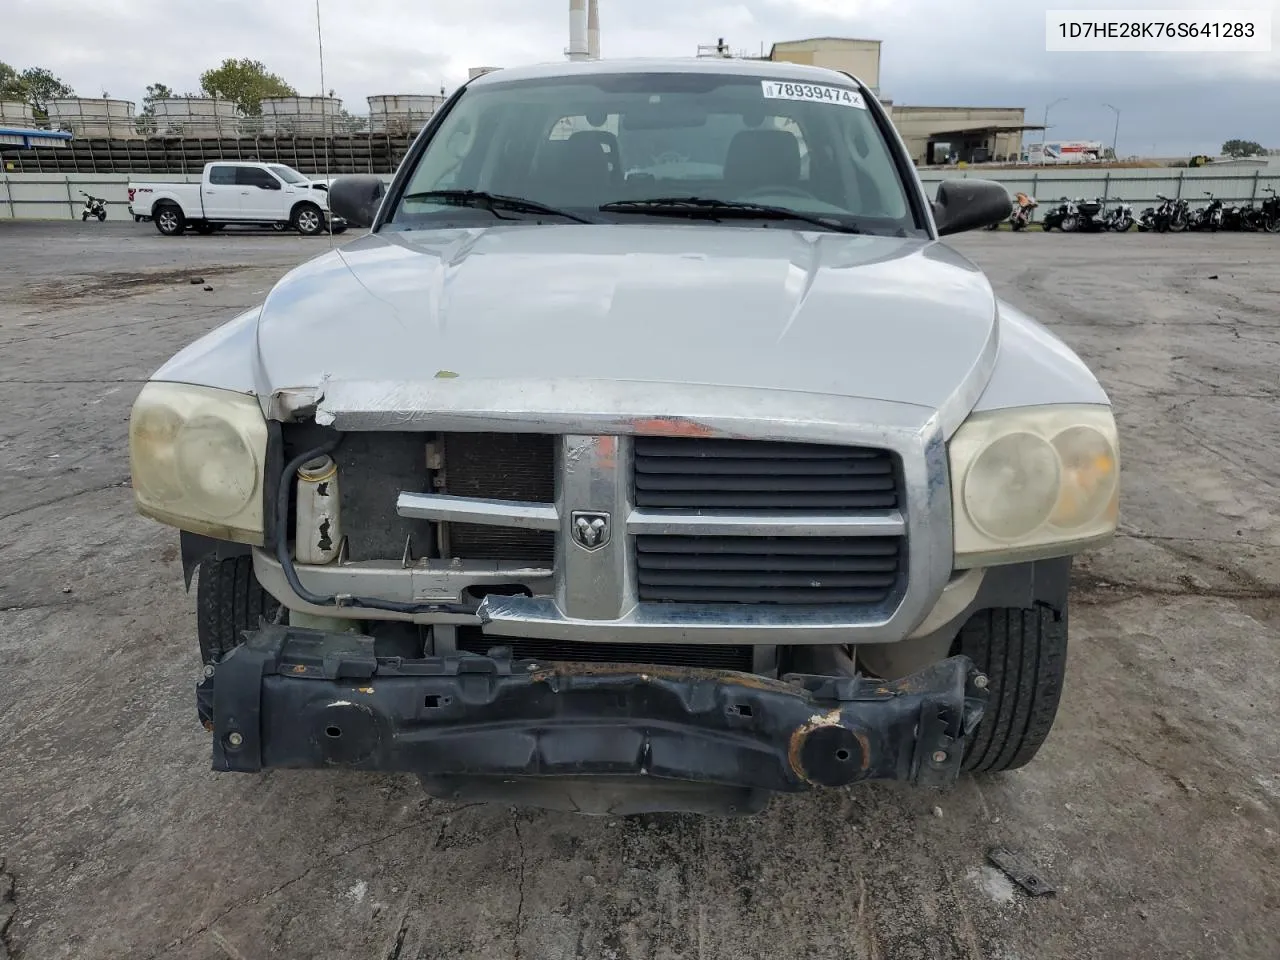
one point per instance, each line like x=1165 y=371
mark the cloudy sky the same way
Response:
x=936 y=52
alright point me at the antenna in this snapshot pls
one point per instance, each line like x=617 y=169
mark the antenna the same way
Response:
x=324 y=112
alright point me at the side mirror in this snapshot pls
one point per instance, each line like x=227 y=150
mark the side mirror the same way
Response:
x=969 y=205
x=356 y=198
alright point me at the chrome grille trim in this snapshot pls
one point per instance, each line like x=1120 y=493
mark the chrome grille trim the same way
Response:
x=498 y=513
x=873 y=523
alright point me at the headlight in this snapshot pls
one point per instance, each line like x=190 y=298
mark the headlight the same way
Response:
x=1033 y=482
x=197 y=456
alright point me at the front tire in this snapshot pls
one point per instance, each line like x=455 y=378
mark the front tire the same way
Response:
x=308 y=220
x=169 y=220
x=101 y=215
x=1024 y=655
x=229 y=601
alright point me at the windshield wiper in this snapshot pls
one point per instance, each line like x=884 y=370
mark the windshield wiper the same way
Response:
x=710 y=207
x=492 y=202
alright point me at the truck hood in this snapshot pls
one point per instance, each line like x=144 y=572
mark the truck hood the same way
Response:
x=890 y=319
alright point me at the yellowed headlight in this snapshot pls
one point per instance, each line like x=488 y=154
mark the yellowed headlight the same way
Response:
x=197 y=456
x=1033 y=482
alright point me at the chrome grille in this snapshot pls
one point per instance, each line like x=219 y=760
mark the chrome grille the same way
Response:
x=746 y=478
x=691 y=473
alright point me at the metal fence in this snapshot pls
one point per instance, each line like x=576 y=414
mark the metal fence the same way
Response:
x=1138 y=187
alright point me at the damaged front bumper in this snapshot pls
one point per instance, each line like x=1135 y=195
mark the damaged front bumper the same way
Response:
x=292 y=697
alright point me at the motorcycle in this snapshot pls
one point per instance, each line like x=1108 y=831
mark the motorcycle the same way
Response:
x=1172 y=215
x=1269 y=216
x=1092 y=216
x=1065 y=216
x=1207 y=218
x=1147 y=220
x=1239 y=217
x=93 y=207
x=1024 y=211
x=1120 y=218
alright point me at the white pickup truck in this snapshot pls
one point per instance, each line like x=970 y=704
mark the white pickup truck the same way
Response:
x=269 y=194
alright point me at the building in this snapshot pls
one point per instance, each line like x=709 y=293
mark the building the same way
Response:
x=858 y=57
x=971 y=134
x=932 y=134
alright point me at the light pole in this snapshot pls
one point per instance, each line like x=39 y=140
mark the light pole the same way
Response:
x=1045 y=131
x=1115 y=138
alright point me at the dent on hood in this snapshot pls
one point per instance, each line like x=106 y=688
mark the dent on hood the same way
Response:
x=1034 y=367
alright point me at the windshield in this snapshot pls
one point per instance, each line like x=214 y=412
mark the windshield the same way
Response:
x=577 y=144
x=287 y=174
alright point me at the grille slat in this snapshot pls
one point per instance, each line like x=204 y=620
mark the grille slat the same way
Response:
x=787 y=570
x=771 y=483
x=699 y=474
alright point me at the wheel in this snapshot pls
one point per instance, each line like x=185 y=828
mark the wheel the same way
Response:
x=169 y=220
x=1271 y=224
x=308 y=220
x=1024 y=655
x=1070 y=224
x=101 y=215
x=229 y=600
x=340 y=227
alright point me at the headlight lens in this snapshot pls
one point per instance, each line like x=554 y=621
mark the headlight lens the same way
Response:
x=197 y=456
x=1033 y=482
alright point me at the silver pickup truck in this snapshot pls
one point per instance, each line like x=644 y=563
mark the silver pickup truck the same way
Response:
x=649 y=453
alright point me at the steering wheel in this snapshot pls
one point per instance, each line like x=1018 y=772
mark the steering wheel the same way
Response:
x=669 y=156
x=780 y=189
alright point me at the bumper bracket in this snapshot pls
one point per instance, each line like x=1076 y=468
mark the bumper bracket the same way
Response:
x=292 y=697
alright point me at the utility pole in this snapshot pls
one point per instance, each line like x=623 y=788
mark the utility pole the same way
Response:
x=1115 y=137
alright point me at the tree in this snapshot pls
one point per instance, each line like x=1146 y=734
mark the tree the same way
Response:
x=35 y=85
x=40 y=86
x=1243 y=148
x=11 y=84
x=245 y=82
x=146 y=123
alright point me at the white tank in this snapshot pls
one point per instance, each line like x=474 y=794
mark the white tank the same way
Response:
x=319 y=528
x=15 y=114
x=195 y=117
x=401 y=114
x=87 y=117
x=300 y=116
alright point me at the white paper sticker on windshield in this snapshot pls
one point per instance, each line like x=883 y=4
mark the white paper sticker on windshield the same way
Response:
x=775 y=90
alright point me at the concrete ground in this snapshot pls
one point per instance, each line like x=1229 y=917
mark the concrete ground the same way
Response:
x=1154 y=807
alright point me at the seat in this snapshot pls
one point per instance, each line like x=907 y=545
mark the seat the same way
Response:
x=762 y=158
x=574 y=172
x=609 y=146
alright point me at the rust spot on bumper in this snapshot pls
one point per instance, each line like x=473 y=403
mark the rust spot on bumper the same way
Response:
x=801 y=734
x=661 y=671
